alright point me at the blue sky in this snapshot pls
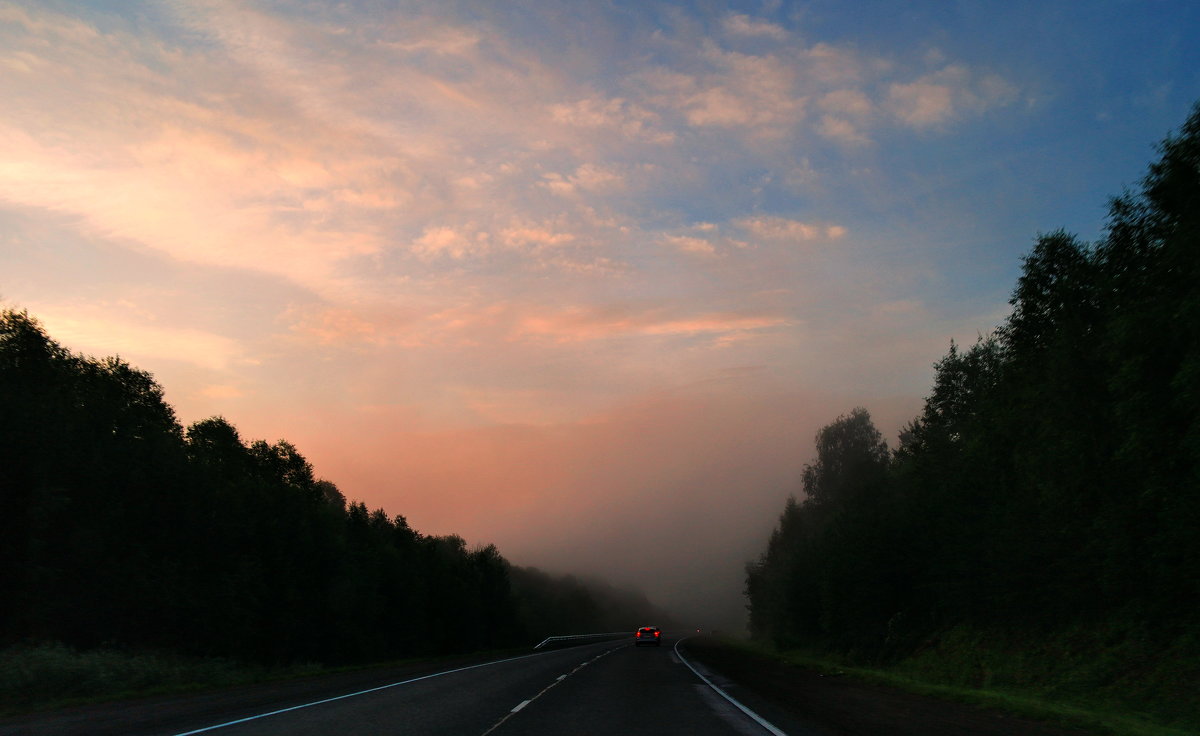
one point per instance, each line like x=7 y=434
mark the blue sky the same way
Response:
x=512 y=268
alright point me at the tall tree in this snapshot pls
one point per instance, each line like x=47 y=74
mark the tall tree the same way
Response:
x=852 y=459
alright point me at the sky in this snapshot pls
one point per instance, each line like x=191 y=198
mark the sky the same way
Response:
x=580 y=279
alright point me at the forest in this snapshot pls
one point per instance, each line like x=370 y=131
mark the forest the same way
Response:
x=1049 y=490
x=120 y=528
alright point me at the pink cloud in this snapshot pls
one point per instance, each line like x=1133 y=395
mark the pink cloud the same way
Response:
x=453 y=243
x=689 y=244
x=947 y=95
x=97 y=332
x=616 y=115
x=523 y=236
x=782 y=228
x=744 y=25
x=583 y=324
x=842 y=130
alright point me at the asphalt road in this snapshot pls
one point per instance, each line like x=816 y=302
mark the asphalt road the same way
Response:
x=603 y=688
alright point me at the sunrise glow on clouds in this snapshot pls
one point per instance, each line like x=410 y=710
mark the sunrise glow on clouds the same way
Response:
x=454 y=251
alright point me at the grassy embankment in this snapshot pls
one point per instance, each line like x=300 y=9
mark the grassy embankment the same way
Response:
x=39 y=677
x=46 y=676
x=1108 y=682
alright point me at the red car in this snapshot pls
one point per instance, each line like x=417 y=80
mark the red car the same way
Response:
x=648 y=635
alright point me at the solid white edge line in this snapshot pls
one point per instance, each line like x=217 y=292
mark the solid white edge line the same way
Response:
x=360 y=692
x=522 y=705
x=757 y=718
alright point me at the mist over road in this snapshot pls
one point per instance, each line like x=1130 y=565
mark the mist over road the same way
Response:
x=604 y=688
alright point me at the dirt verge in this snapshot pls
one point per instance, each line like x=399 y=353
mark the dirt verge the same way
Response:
x=840 y=705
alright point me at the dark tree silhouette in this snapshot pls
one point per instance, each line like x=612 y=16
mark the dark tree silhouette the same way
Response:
x=1052 y=480
x=117 y=527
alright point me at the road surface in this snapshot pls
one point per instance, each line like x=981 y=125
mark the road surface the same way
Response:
x=602 y=688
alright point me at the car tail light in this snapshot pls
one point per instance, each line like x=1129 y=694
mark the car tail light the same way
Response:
x=657 y=634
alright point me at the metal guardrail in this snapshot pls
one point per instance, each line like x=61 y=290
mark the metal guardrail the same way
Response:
x=580 y=637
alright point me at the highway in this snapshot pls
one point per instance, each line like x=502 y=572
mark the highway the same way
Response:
x=601 y=688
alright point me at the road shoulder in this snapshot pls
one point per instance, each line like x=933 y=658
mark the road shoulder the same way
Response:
x=816 y=703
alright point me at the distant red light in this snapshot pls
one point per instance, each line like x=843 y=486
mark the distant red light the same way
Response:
x=658 y=633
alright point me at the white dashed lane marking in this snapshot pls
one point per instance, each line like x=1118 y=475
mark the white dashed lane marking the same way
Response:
x=557 y=680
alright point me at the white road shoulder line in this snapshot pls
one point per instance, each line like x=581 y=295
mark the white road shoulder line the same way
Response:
x=351 y=695
x=756 y=717
x=522 y=705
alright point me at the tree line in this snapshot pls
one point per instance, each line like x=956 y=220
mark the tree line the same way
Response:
x=119 y=527
x=1053 y=476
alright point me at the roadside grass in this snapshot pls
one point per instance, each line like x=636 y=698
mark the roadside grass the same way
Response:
x=964 y=669
x=50 y=675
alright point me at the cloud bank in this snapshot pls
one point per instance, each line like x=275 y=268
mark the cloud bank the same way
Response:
x=513 y=278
